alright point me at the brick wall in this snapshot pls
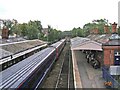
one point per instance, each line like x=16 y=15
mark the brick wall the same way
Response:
x=107 y=57
x=109 y=54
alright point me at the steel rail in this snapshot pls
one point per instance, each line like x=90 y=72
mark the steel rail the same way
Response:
x=69 y=70
x=58 y=79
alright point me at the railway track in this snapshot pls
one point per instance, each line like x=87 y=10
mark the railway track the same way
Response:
x=31 y=72
x=61 y=75
x=64 y=77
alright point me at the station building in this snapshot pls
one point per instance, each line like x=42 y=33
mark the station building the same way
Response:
x=105 y=47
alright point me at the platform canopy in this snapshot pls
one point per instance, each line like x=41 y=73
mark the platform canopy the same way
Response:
x=79 y=43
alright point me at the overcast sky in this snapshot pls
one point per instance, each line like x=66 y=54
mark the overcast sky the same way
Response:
x=60 y=14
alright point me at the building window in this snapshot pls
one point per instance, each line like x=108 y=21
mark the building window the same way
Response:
x=117 y=57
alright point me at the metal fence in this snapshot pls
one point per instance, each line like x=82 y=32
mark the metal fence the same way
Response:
x=109 y=78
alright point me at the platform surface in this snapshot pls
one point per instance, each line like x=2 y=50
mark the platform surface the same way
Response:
x=89 y=77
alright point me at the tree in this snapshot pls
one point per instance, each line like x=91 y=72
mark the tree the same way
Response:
x=7 y=23
x=24 y=29
x=32 y=32
x=10 y=26
x=32 y=29
x=16 y=30
x=52 y=34
x=99 y=23
x=77 y=32
x=38 y=25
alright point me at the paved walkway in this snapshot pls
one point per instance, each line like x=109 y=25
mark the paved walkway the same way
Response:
x=90 y=77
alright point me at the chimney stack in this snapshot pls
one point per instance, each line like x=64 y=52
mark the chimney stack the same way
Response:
x=114 y=27
x=106 y=29
x=5 y=33
x=96 y=31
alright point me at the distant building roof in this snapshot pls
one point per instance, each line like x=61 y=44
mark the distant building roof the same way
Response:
x=114 y=36
x=112 y=43
x=95 y=42
x=100 y=38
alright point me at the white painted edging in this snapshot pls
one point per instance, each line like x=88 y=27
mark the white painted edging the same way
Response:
x=77 y=79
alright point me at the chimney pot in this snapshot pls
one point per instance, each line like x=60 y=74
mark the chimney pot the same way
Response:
x=114 y=27
x=106 y=29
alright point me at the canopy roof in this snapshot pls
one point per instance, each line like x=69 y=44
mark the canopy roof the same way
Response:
x=79 y=43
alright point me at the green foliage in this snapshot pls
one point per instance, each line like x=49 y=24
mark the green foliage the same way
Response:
x=77 y=32
x=85 y=31
x=24 y=29
x=95 y=24
x=53 y=34
x=16 y=30
x=33 y=30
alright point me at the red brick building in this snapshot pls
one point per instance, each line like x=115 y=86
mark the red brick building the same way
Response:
x=112 y=47
x=111 y=52
x=110 y=41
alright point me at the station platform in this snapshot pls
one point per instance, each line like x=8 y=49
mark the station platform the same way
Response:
x=4 y=60
x=85 y=76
